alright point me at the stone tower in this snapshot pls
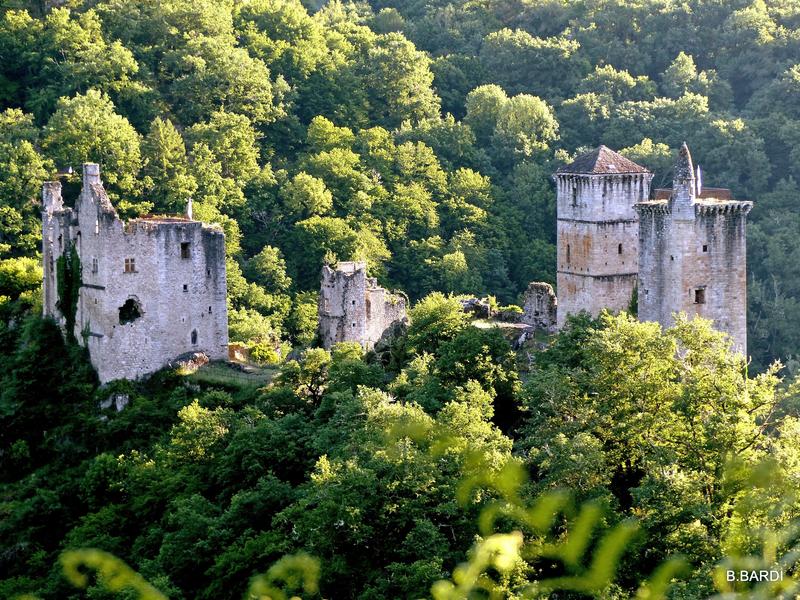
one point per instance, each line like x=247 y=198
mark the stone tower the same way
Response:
x=598 y=229
x=353 y=308
x=139 y=293
x=692 y=254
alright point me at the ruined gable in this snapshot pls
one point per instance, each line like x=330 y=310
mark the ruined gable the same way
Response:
x=148 y=290
x=354 y=308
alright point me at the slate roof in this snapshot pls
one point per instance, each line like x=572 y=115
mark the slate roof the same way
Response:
x=602 y=161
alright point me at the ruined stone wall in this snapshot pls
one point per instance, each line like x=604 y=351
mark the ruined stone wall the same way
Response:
x=342 y=304
x=176 y=282
x=353 y=308
x=540 y=307
x=695 y=265
x=597 y=247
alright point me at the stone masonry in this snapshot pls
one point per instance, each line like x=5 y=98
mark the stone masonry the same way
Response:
x=148 y=290
x=353 y=308
x=598 y=231
x=692 y=254
x=540 y=307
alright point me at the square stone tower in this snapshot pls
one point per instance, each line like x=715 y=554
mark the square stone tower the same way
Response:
x=598 y=231
x=692 y=254
x=354 y=308
x=137 y=294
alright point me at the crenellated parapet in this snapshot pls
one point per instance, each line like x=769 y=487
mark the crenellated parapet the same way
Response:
x=597 y=231
x=692 y=253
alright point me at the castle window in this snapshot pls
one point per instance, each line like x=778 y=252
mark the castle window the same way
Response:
x=568 y=254
x=209 y=310
x=700 y=296
x=185 y=287
x=705 y=247
x=619 y=248
x=185 y=252
x=130 y=265
x=353 y=325
x=130 y=311
x=574 y=196
x=353 y=302
x=95 y=265
x=194 y=337
x=208 y=272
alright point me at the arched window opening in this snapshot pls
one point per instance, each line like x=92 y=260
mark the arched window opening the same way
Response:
x=194 y=336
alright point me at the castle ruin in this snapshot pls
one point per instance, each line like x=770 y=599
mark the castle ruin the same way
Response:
x=692 y=255
x=540 y=307
x=681 y=251
x=137 y=294
x=353 y=308
x=598 y=231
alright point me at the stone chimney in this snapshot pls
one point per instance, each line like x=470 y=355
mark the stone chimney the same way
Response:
x=91 y=174
x=51 y=197
x=189 y=208
x=683 y=186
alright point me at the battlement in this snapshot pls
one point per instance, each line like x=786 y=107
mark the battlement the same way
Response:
x=597 y=228
x=148 y=290
x=350 y=267
x=692 y=253
x=681 y=250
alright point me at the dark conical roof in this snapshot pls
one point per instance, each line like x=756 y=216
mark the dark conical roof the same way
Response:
x=683 y=170
x=600 y=161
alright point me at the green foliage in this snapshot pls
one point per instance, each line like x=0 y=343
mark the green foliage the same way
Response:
x=264 y=354
x=68 y=278
x=113 y=574
x=168 y=181
x=19 y=275
x=268 y=269
x=434 y=319
x=418 y=136
x=86 y=128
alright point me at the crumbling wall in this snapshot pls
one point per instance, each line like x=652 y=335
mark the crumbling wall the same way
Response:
x=540 y=307
x=171 y=270
x=354 y=308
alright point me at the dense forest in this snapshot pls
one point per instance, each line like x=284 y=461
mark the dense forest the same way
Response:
x=420 y=136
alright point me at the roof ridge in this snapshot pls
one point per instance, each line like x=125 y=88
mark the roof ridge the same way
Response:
x=602 y=161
